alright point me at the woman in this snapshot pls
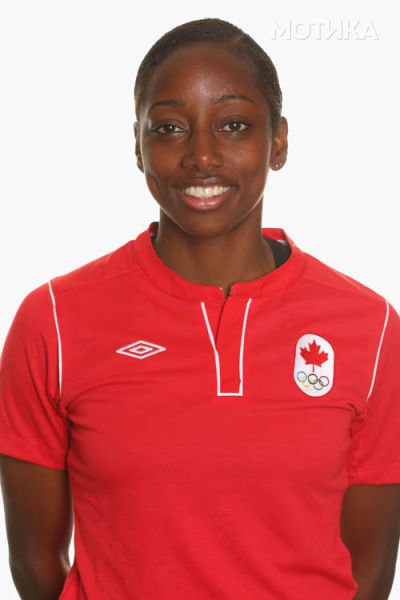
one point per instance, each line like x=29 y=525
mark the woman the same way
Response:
x=188 y=394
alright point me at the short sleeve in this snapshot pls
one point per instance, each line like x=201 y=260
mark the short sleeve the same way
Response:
x=32 y=428
x=374 y=456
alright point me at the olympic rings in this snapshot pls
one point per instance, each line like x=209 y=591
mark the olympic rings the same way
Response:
x=312 y=380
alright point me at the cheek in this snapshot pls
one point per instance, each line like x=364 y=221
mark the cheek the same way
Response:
x=158 y=167
x=251 y=164
x=160 y=157
x=153 y=186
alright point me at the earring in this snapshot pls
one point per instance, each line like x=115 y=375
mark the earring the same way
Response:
x=278 y=165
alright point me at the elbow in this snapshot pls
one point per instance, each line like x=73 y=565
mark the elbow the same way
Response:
x=374 y=584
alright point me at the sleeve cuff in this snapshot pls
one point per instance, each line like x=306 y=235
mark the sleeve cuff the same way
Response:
x=32 y=452
x=377 y=475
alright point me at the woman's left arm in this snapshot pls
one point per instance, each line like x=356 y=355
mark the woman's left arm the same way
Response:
x=370 y=528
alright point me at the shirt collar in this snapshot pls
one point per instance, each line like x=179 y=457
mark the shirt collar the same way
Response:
x=170 y=282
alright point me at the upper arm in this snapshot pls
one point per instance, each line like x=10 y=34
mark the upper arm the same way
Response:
x=38 y=510
x=370 y=519
x=370 y=528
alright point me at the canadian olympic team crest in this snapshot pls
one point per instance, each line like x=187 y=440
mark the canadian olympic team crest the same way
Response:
x=314 y=365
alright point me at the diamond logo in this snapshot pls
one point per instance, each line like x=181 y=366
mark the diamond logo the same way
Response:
x=140 y=349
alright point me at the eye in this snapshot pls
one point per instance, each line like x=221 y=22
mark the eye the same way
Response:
x=236 y=126
x=167 y=128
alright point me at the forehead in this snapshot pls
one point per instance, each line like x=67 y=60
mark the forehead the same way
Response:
x=204 y=69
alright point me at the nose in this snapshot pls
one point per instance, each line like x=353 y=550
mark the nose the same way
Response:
x=202 y=152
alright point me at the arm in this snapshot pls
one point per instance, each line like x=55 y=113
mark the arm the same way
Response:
x=39 y=520
x=370 y=528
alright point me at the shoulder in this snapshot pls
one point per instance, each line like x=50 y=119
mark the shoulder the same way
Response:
x=36 y=310
x=338 y=283
x=346 y=301
x=109 y=266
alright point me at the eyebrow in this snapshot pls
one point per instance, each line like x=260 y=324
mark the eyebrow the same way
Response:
x=219 y=100
x=227 y=97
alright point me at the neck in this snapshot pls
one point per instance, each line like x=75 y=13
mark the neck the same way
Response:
x=220 y=258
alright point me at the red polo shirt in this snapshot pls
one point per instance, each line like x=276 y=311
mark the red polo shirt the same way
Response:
x=209 y=441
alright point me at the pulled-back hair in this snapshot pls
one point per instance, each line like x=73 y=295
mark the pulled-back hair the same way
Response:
x=213 y=30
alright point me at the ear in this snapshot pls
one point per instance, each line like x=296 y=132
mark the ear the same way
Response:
x=279 y=145
x=139 y=160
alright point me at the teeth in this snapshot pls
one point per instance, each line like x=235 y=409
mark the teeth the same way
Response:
x=205 y=192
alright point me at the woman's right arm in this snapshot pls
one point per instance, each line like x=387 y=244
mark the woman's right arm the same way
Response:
x=39 y=521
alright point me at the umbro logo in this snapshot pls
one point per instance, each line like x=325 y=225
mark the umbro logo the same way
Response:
x=140 y=349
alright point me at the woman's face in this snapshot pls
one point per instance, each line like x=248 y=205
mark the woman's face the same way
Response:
x=205 y=124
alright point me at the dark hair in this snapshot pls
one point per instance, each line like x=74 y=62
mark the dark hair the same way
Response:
x=213 y=30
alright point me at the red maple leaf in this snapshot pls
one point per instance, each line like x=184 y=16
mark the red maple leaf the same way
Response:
x=312 y=355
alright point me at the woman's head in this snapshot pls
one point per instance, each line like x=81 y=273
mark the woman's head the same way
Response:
x=209 y=122
x=218 y=31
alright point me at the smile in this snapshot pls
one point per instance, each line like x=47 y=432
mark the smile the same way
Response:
x=205 y=197
x=205 y=192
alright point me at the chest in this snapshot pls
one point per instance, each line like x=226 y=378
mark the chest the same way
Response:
x=216 y=388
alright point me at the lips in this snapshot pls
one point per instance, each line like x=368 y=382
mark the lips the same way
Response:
x=205 y=193
x=205 y=197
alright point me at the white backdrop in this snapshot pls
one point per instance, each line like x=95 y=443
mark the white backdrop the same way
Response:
x=70 y=190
